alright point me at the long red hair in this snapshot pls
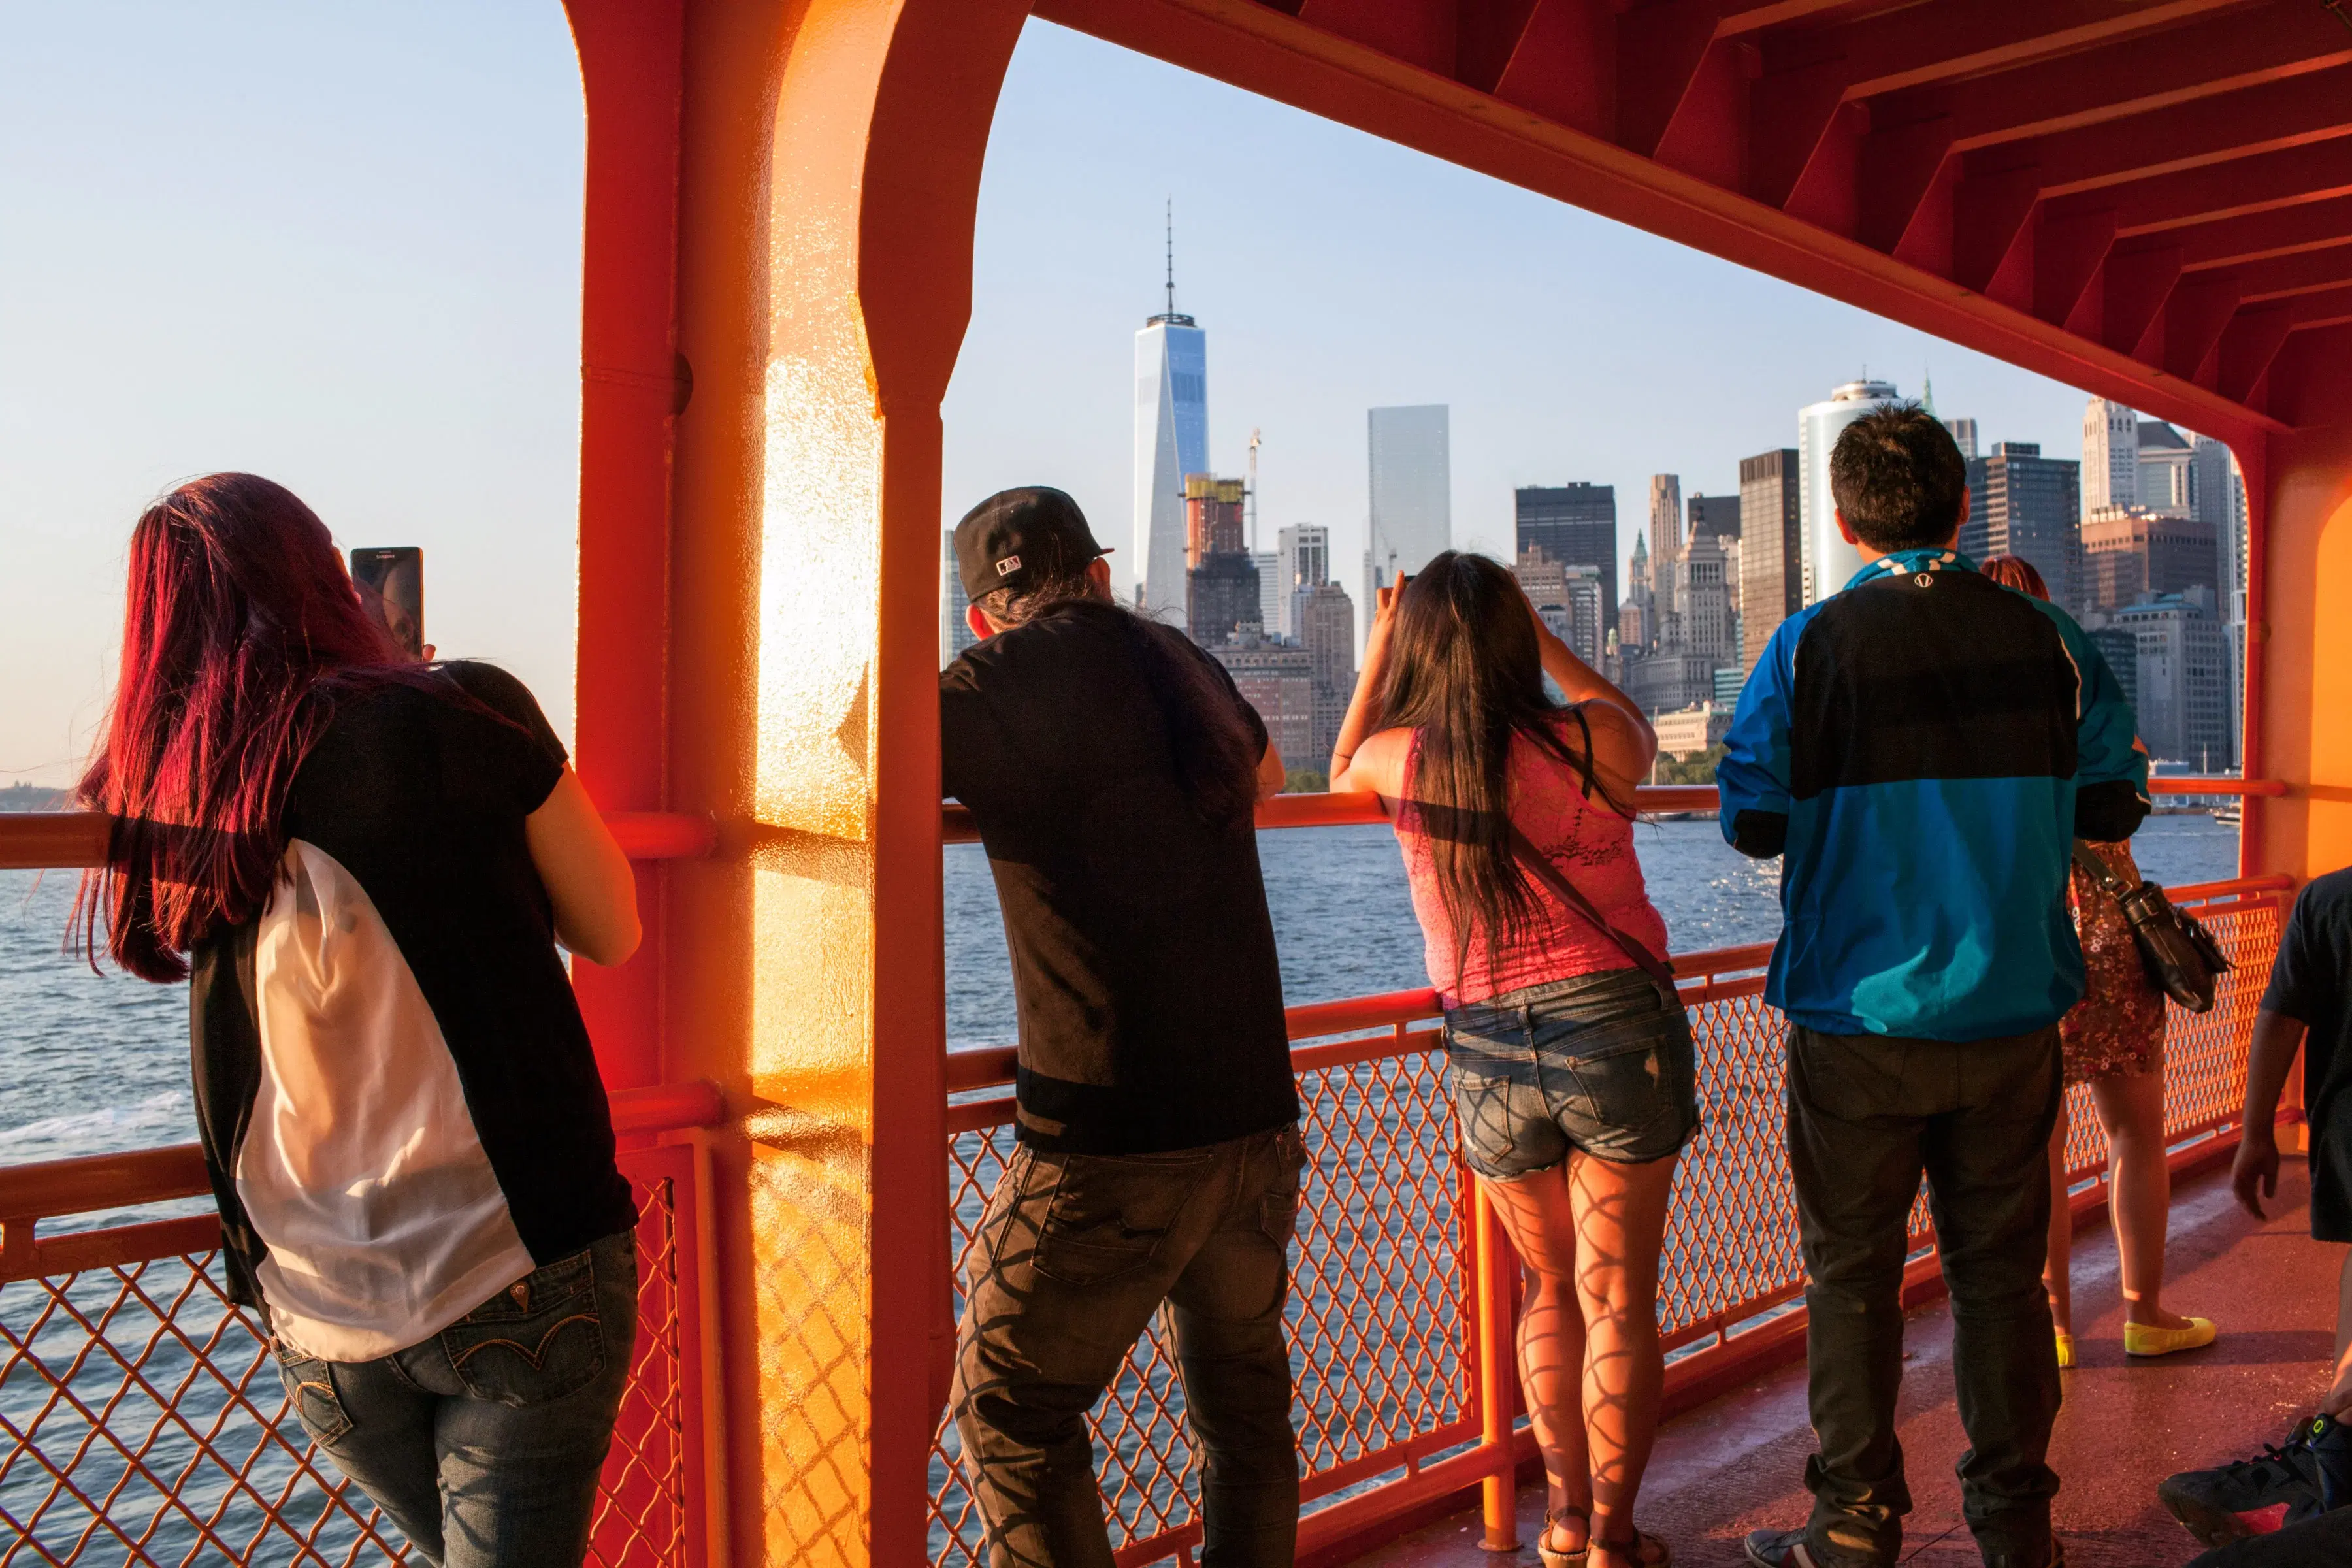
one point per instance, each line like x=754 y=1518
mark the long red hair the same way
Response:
x=239 y=624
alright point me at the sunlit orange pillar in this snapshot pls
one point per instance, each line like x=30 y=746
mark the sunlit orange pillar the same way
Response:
x=630 y=390
x=831 y=155
x=2300 y=634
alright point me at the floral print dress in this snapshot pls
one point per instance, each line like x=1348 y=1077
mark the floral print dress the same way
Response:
x=2118 y=1025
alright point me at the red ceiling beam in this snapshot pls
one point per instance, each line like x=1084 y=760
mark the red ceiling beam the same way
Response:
x=2306 y=272
x=1485 y=36
x=2203 y=59
x=2194 y=316
x=2257 y=237
x=2321 y=170
x=1913 y=46
x=1562 y=65
x=2247 y=123
x=1660 y=48
x=1418 y=31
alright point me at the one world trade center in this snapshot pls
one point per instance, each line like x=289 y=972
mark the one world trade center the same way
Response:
x=1172 y=440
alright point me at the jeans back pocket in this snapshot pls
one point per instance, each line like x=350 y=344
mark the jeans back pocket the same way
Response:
x=538 y=1339
x=310 y=1389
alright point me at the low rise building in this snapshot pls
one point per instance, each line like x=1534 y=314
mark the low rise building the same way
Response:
x=1686 y=731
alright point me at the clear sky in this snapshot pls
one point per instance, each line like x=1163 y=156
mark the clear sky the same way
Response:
x=340 y=246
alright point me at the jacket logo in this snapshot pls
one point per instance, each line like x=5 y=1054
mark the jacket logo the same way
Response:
x=1925 y=579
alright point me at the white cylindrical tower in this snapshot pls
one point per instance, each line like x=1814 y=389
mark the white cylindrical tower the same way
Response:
x=1829 y=560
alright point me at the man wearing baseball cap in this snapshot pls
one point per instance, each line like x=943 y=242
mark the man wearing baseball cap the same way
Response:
x=1113 y=769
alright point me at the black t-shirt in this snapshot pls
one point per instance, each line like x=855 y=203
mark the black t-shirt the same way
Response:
x=1143 y=956
x=418 y=794
x=2311 y=982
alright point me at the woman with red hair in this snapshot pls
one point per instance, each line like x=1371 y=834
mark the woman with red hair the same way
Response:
x=363 y=865
x=2113 y=1039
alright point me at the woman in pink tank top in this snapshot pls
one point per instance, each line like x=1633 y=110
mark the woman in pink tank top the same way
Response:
x=1570 y=1055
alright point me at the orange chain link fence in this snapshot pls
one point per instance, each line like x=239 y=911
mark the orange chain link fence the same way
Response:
x=1385 y=1320
x=142 y=1421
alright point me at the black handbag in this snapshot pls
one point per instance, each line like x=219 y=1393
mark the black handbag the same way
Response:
x=2180 y=955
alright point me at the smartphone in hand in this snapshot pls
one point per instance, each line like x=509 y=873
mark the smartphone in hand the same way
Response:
x=391 y=582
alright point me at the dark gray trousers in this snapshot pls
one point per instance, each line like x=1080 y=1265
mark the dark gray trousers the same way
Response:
x=1868 y=1116
x=1075 y=1253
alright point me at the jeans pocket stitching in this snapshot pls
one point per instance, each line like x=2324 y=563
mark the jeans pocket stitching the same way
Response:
x=538 y=1358
x=320 y=1388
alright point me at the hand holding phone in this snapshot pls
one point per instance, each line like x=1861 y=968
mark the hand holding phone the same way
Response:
x=391 y=582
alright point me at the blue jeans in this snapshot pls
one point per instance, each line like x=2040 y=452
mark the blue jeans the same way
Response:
x=484 y=1442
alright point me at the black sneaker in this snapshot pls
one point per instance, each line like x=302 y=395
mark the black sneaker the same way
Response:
x=2330 y=1442
x=2279 y=1487
x=1787 y=1548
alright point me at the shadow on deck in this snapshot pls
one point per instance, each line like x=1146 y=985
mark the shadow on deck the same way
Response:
x=1735 y=1464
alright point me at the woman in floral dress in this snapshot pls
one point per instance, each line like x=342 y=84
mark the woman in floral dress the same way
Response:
x=2112 y=1040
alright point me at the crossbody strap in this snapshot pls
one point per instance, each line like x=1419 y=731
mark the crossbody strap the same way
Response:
x=2099 y=871
x=1661 y=972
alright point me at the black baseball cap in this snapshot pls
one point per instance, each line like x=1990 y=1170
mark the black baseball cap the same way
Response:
x=1014 y=538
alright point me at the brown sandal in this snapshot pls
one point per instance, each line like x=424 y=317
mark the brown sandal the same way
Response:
x=1553 y=1558
x=1645 y=1551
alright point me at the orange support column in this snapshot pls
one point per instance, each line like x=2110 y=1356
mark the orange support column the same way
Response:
x=2300 y=630
x=629 y=68
x=830 y=161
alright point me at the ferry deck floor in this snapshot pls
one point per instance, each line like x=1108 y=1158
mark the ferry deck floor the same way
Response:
x=1735 y=1464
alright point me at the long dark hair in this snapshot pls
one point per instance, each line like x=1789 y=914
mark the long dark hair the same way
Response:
x=1466 y=675
x=1215 y=754
x=239 y=623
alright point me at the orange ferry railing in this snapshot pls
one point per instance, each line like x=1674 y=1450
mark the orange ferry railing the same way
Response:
x=158 y=1430
x=140 y=1414
x=1405 y=1289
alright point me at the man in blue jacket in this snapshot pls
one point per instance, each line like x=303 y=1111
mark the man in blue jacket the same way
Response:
x=1921 y=749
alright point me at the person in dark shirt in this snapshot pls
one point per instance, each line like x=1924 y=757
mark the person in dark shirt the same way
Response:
x=1113 y=770
x=2307 y=1008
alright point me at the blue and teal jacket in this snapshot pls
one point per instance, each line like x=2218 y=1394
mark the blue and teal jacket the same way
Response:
x=1922 y=750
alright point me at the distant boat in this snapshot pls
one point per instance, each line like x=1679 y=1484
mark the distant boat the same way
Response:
x=2231 y=814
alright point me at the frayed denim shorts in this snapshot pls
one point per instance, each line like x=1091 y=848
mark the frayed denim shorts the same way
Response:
x=1599 y=1063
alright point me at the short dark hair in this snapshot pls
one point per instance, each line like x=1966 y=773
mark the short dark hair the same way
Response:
x=1898 y=479
x=1015 y=606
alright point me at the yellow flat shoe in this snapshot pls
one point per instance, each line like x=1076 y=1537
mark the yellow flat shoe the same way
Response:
x=2146 y=1339
x=2065 y=1349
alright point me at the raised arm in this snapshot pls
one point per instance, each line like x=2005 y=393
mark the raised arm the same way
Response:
x=588 y=879
x=1623 y=742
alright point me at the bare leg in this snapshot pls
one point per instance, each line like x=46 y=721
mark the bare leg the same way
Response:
x=1542 y=1223
x=2057 y=1277
x=2140 y=1190
x=2338 y=1399
x=1621 y=1222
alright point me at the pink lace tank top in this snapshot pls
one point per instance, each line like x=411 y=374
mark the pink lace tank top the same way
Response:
x=1593 y=846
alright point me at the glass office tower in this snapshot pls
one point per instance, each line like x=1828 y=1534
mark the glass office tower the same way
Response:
x=1172 y=440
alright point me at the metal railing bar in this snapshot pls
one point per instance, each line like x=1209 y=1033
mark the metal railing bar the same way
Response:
x=70 y=841
x=1356 y=808
x=50 y=1189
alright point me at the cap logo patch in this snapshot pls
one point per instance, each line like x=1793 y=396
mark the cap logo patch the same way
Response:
x=1009 y=565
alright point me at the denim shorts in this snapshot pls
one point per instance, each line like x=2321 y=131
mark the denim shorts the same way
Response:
x=1597 y=1063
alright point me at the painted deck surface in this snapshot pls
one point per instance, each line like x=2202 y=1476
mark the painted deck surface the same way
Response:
x=1735 y=1464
